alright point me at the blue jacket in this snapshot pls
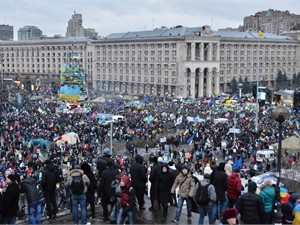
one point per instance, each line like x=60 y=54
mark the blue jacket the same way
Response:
x=268 y=196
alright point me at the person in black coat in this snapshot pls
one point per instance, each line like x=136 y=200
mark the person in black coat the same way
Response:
x=90 y=194
x=10 y=202
x=34 y=199
x=219 y=180
x=50 y=176
x=251 y=206
x=138 y=174
x=165 y=182
x=174 y=171
x=106 y=190
x=153 y=178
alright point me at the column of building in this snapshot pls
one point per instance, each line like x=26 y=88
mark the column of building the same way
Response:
x=201 y=83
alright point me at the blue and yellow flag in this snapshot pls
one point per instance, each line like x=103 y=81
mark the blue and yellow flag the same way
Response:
x=260 y=32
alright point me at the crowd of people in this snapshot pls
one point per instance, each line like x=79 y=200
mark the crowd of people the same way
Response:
x=31 y=155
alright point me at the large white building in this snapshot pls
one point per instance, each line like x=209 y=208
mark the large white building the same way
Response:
x=178 y=61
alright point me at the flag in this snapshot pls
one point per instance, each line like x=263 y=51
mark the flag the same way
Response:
x=237 y=164
x=191 y=139
x=260 y=32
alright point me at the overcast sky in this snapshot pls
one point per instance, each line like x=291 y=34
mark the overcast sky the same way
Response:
x=113 y=16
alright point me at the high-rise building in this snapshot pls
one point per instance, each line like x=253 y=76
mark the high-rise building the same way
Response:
x=29 y=33
x=75 y=28
x=6 y=32
x=271 y=21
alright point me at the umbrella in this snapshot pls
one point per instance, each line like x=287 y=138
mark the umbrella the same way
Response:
x=71 y=138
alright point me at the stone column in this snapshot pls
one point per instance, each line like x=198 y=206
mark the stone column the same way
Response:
x=192 y=84
x=209 y=83
x=218 y=52
x=217 y=83
x=210 y=50
x=201 y=52
x=193 y=48
x=200 y=88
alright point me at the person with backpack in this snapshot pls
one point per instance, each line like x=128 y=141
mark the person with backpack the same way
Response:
x=128 y=202
x=186 y=183
x=78 y=183
x=205 y=196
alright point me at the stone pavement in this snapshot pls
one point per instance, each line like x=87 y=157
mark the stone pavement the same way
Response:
x=143 y=217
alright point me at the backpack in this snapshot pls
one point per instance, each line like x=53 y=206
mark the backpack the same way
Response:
x=77 y=185
x=202 y=195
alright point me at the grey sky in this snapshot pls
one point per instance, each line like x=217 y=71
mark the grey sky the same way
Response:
x=112 y=16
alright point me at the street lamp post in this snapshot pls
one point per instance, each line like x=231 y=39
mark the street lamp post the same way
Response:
x=280 y=114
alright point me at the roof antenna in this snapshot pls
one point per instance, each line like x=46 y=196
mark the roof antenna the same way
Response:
x=211 y=23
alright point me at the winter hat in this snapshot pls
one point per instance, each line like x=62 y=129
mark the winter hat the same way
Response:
x=126 y=180
x=252 y=186
x=206 y=176
x=12 y=177
x=184 y=166
x=106 y=151
x=230 y=213
x=159 y=159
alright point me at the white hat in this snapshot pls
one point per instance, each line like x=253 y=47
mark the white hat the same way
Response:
x=159 y=159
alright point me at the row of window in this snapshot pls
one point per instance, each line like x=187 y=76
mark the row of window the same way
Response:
x=137 y=46
x=255 y=46
x=254 y=71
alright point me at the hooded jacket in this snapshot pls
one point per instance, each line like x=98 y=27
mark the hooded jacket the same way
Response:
x=219 y=180
x=251 y=206
x=268 y=196
x=10 y=202
x=78 y=172
x=234 y=186
x=211 y=191
x=165 y=182
x=29 y=187
x=186 y=183
x=50 y=177
x=128 y=190
x=138 y=173
x=288 y=208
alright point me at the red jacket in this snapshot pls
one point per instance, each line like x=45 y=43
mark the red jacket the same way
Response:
x=234 y=186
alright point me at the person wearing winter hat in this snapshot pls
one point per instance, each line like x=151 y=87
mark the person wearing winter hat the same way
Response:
x=251 y=206
x=128 y=202
x=205 y=207
x=229 y=216
x=138 y=174
x=153 y=178
x=10 y=201
x=34 y=198
x=268 y=195
x=186 y=183
x=165 y=182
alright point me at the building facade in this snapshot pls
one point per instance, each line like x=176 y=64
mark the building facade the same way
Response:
x=177 y=62
x=29 y=33
x=6 y=32
x=271 y=21
x=76 y=29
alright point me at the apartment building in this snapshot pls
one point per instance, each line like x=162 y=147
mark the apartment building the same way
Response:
x=178 y=61
x=271 y=21
x=6 y=32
